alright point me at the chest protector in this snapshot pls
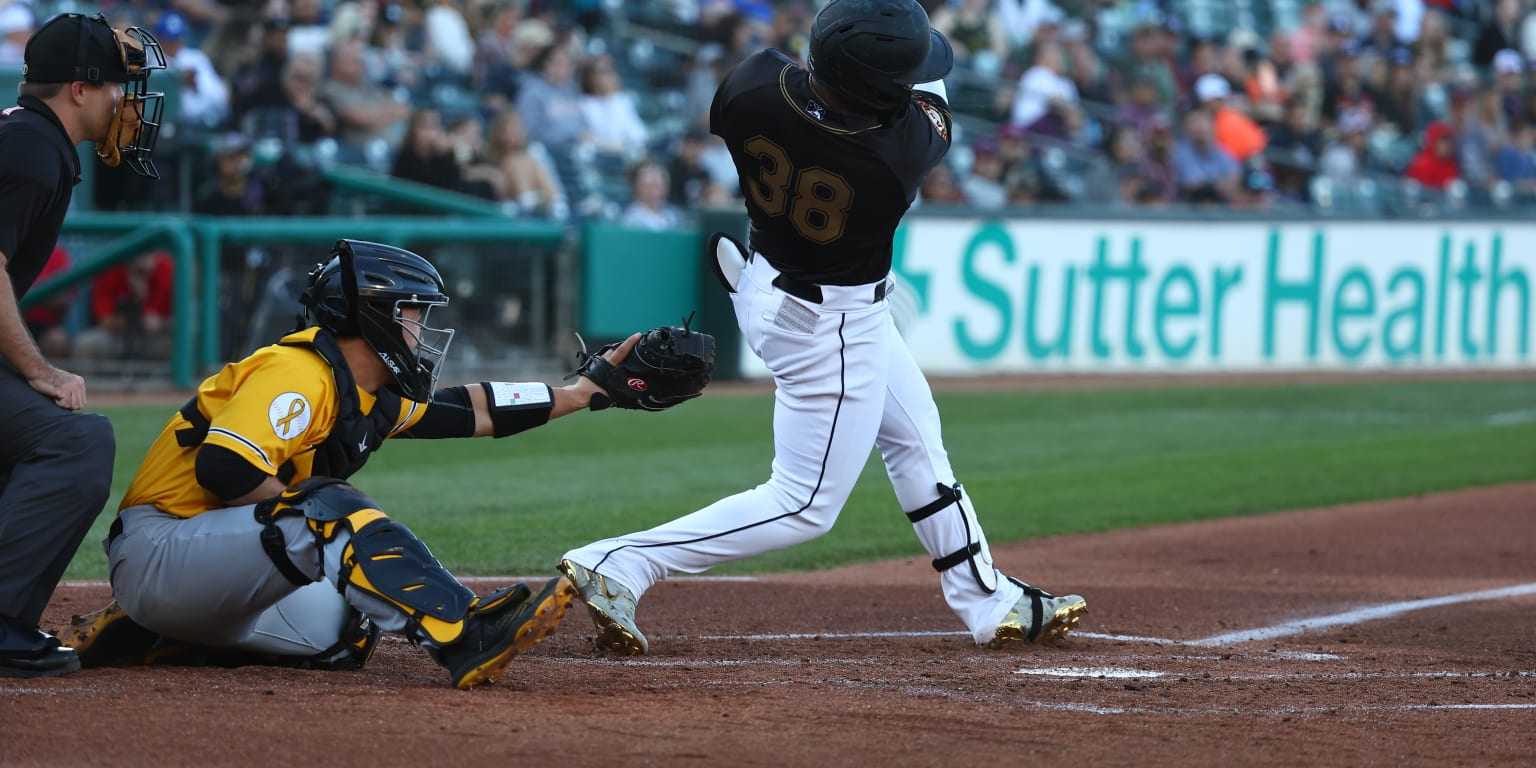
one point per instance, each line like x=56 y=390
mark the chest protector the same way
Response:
x=353 y=438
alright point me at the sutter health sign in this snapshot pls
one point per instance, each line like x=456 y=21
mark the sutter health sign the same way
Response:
x=1146 y=296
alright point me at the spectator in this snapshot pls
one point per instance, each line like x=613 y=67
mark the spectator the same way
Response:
x=131 y=305
x=449 y=46
x=204 y=96
x=1344 y=161
x=366 y=114
x=939 y=188
x=550 y=100
x=46 y=320
x=1297 y=137
x=1483 y=130
x=649 y=208
x=242 y=269
x=1126 y=158
x=1509 y=81
x=527 y=180
x=1206 y=172
x=16 y=25
x=425 y=156
x=609 y=112
x=1312 y=39
x=1399 y=104
x=1159 y=176
x=1234 y=131
x=1043 y=93
x=693 y=186
x=1500 y=32
x=1140 y=107
x=975 y=31
x=983 y=184
x=1515 y=162
x=1435 y=166
x=308 y=28
x=495 y=71
x=259 y=84
x=304 y=118
x=466 y=137
x=1350 y=90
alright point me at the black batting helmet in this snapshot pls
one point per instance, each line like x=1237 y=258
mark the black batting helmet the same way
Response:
x=361 y=290
x=871 y=52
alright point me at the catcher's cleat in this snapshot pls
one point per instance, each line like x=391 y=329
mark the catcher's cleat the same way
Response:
x=612 y=607
x=108 y=637
x=1038 y=617
x=496 y=634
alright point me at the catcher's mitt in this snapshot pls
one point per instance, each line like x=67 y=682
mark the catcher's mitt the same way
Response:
x=668 y=365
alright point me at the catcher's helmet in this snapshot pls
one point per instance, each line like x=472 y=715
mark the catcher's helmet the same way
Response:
x=871 y=52
x=361 y=291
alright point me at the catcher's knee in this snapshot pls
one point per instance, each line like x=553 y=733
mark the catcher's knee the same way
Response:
x=380 y=557
x=974 y=554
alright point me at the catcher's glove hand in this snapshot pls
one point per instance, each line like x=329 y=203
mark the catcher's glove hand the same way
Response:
x=668 y=365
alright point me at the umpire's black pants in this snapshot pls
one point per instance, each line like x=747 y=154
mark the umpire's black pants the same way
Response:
x=55 y=476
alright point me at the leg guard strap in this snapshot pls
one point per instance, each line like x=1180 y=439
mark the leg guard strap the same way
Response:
x=384 y=559
x=942 y=534
x=947 y=496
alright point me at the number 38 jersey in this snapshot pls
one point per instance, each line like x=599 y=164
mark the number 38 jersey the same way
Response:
x=825 y=190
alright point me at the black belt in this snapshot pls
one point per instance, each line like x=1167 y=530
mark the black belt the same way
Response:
x=116 y=530
x=812 y=292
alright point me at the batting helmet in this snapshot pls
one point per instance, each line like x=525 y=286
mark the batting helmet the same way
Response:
x=871 y=52
x=362 y=290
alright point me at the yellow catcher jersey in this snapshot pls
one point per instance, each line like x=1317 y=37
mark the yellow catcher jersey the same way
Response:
x=272 y=408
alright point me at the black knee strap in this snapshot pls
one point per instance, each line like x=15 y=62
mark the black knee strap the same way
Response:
x=957 y=557
x=947 y=495
x=276 y=547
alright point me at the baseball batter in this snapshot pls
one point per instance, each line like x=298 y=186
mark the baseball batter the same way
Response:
x=238 y=540
x=829 y=161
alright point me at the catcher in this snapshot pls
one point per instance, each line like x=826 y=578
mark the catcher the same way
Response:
x=239 y=540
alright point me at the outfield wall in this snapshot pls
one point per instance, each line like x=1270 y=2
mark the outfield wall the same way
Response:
x=1029 y=296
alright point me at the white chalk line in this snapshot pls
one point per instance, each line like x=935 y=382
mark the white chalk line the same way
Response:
x=1359 y=616
x=1508 y=418
x=1286 y=629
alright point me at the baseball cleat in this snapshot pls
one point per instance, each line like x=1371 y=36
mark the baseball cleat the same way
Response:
x=1038 y=617
x=107 y=637
x=612 y=607
x=493 y=638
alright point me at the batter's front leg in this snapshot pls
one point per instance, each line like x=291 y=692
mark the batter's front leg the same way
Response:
x=912 y=445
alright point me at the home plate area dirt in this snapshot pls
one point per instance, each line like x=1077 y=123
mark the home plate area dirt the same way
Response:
x=1390 y=633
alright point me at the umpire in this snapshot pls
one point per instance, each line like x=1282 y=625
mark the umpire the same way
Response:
x=84 y=81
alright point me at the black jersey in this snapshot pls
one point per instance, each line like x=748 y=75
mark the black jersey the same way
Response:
x=825 y=189
x=38 y=172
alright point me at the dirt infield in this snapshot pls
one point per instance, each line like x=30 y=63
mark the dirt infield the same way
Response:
x=1194 y=653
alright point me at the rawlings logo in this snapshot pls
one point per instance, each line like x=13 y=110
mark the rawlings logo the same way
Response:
x=637 y=385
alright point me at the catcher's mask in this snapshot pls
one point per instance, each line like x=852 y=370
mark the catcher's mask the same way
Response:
x=871 y=52
x=74 y=47
x=365 y=290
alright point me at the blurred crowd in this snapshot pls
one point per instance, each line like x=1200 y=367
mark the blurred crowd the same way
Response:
x=598 y=108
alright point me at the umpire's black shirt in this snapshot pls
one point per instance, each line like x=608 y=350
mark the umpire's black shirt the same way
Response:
x=39 y=169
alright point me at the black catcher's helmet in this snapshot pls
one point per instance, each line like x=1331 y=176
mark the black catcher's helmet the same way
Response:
x=361 y=291
x=871 y=52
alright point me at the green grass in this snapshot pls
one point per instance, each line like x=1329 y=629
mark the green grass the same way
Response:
x=1037 y=463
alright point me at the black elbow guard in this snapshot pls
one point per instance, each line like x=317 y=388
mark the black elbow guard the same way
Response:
x=226 y=474
x=517 y=407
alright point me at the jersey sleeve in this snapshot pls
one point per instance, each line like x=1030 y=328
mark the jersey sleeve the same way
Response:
x=411 y=414
x=278 y=411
